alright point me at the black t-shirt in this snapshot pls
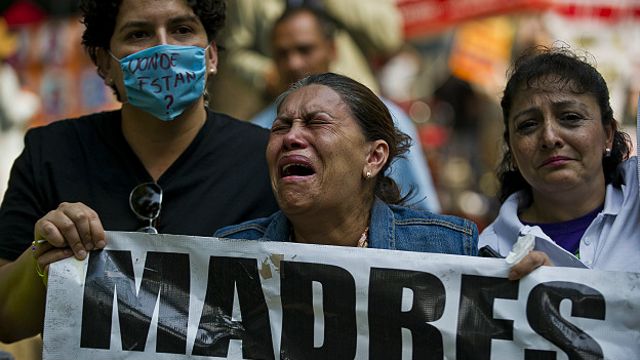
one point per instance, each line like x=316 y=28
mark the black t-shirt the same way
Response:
x=220 y=179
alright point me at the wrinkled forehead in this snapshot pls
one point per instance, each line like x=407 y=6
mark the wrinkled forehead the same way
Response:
x=550 y=88
x=558 y=95
x=551 y=83
x=311 y=98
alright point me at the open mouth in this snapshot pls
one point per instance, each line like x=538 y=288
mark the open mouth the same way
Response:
x=296 y=169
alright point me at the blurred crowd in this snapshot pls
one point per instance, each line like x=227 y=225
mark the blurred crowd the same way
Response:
x=440 y=66
x=444 y=70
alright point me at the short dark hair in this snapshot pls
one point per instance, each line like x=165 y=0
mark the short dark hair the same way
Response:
x=99 y=18
x=563 y=67
x=374 y=119
x=325 y=23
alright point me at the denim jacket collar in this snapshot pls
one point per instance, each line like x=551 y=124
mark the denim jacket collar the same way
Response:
x=279 y=228
x=381 y=227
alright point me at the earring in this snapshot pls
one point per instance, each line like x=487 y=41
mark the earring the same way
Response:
x=368 y=175
x=607 y=152
x=213 y=71
x=109 y=81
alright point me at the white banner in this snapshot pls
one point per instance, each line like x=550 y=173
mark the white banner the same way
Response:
x=177 y=297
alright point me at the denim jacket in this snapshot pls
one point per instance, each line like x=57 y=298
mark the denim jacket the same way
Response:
x=391 y=227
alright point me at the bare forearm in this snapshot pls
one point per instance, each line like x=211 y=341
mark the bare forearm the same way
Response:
x=22 y=299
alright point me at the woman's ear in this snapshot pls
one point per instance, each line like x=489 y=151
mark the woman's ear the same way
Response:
x=212 y=58
x=377 y=157
x=609 y=132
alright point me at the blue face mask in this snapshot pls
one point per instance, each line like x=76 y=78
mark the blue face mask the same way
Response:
x=164 y=80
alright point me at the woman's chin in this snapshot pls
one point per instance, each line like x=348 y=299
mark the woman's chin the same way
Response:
x=292 y=202
x=560 y=184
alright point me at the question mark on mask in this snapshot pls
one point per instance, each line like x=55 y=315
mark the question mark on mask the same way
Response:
x=169 y=98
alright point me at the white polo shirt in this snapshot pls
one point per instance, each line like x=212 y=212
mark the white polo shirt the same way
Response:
x=611 y=242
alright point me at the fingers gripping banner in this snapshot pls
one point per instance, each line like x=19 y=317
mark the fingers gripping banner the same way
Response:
x=174 y=297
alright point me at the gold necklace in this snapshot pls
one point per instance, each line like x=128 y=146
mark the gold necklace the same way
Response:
x=363 y=242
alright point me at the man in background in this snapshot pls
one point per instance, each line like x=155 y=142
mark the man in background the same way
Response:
x=248 y=79
x=303 y=43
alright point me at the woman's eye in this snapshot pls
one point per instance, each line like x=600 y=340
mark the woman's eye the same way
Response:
x=316 y=121
x=525 y=126
x=571 y=117
x=278 y=127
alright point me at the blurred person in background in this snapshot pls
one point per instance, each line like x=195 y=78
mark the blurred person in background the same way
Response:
x=566 y=176
x=366 y=30
x=17 y=105
x=303 y=43
x=162 y=163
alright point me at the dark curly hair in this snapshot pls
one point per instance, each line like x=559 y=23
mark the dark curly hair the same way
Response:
x=99 y=18
x=561 y=66
x=375 y=121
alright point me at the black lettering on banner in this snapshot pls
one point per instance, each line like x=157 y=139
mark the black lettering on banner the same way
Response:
x=543 y=314
x=217 y=328
x=476 y=324
x=339 y=303
x=386 y=318
x=165 y=275
x=539 y=354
